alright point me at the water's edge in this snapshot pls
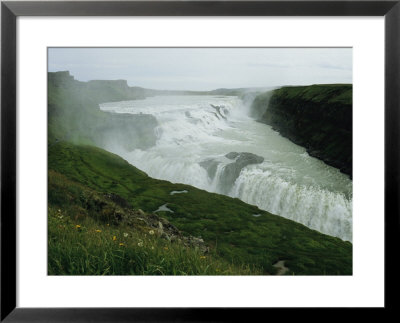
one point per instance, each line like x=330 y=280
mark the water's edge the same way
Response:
x=195 y=134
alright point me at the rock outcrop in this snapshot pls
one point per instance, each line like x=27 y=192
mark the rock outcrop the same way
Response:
x=230 y=171
x=112 y=208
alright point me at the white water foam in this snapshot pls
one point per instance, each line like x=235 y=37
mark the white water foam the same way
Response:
x=289 y=183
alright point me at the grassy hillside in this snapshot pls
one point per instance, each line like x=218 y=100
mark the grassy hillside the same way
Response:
x=318 y=117
x=91 y=189
x=92 y=233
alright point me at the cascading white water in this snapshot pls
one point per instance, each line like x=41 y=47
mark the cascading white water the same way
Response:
x=195 y=133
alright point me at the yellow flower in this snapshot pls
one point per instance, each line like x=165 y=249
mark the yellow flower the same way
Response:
x=151 y=232
x=114 y=238
x=122 y=244
x=165 y=248
x=98 y=231
x=78 y=226
x=202 y=257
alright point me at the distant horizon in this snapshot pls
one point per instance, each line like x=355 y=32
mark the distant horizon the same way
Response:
x=206 y=69
x=191 y=90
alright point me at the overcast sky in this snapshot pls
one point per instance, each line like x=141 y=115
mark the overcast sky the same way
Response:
x=205 y=68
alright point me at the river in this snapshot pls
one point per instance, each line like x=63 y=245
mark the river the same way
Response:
x=194 y=135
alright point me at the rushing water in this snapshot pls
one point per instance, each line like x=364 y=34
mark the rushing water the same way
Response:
x=194 y=135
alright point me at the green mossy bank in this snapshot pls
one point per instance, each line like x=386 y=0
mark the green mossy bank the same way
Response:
x=317 y=117
x=228 y=226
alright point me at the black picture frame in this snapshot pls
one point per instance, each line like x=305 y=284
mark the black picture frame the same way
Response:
x=11 y=10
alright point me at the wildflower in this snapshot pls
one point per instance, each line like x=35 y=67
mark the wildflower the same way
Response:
x=98 y=231
x=152 y=248
x=126 y=235
x=122 y=244
x=78 y=226
x=202 y=257
x=59 y=210
x=151 y=232
x=140 y=244
x=114 y=238
x=60 y=216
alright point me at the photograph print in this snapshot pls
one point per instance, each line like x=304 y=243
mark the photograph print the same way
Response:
x=200 y=161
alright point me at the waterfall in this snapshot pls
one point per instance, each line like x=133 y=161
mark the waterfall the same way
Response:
x=213 y=143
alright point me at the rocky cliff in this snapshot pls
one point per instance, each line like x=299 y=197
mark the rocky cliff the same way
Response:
x=74 y=114
x=317 y=117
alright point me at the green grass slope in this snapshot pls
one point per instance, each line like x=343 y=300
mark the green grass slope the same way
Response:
x=92 y=233
x=238 y=242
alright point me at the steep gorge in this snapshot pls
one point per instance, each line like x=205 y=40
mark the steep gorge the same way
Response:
x=239 y=230
x=317 y=117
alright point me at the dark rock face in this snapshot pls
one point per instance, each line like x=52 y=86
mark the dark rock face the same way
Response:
x=244 y=159
x=219 y=109
x=210 y=165
x=232 y=171
x=317 y=117
x=232 y=155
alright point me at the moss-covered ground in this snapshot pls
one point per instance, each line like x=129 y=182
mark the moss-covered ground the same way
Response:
x=239 y=243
